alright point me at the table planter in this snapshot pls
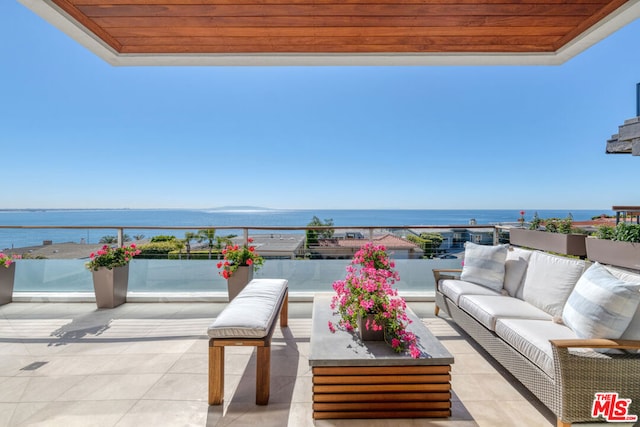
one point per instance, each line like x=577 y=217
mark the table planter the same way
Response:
x=111 y=286
x=613 y=252
x=7 y=275
x=368 y=334
x=568 y=244
x=238 y=280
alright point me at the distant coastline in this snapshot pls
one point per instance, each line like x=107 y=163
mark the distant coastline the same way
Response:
x=240 y=216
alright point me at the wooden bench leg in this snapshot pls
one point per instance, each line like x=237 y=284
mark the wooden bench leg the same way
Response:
x=263 y=375
x=284 y=311
x=216 y=375
x=563 y=424
x=436 y=310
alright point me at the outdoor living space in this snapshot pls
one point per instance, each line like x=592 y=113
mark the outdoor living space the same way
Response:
x=145 y=364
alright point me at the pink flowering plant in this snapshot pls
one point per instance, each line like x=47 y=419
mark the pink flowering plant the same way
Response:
x=236 y=256
x=109 y=257
x=7 y=260
x=367 y=289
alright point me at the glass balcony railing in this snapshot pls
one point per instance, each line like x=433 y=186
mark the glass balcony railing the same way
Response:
x=310 y=268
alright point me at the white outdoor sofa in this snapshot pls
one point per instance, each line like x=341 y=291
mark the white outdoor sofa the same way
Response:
x=537 y=314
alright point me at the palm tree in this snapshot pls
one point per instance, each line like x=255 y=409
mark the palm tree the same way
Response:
x=108 y=239
x=223 y=241
x=188 y=237
x=207 y=234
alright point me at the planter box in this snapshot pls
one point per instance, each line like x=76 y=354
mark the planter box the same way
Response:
x=568 y=244
x=111 y=286
x=620 y=254
x=238 y=280
x=7 y=275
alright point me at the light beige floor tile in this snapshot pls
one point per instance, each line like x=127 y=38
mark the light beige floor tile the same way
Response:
x=154 y=346
x=471 y=363
x=6 y=413
x=158 y=363
x=12 y=388
x=24 y=411
x=193 y=387
x=494 y=413
x=483 y=387
x=48 y=389
x=12 y=347
x=247 y=415
x=191 y=363
x=199 y=346
x=111 y=387
x=11 y=365
x=166 y=413
x=77 y=413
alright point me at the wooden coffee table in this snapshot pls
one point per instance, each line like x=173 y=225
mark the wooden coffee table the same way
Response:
x=355 y=379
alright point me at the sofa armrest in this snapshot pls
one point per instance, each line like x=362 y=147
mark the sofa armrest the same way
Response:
x=597 y=343
x=580 y=375
x=438 y=275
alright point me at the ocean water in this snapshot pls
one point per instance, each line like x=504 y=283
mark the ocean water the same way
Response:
x=249 y=217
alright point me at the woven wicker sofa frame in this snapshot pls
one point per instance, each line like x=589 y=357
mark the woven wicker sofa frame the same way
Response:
x=577 y=376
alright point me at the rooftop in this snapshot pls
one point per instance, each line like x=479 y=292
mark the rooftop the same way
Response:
x=145 y=364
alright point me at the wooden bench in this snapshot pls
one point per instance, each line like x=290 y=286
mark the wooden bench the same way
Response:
x=248 y=320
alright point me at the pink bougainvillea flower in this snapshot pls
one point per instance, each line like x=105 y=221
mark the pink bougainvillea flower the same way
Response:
x=332 y=328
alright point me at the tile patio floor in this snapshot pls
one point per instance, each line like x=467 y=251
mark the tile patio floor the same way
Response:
x=145 y=364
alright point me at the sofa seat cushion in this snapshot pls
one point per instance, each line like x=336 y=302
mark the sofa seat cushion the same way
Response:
x=251 y=313
x=549 y=281
x=454 y=289
x=601 y=305
x=531 y=339
x=484 y=265
x=486 y=309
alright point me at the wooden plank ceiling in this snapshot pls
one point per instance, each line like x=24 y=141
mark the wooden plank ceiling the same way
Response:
x=336 y=26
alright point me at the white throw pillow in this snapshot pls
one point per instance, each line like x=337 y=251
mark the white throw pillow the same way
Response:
x=484 y=265
x=601 y=305
x=515 y=268
x=549 y=281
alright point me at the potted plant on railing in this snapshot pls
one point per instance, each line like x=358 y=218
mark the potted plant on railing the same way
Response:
x=110 y=268
x=238 y=265
x=619 y=245
x=369 y=305
x=7 y=275
x=552 y=235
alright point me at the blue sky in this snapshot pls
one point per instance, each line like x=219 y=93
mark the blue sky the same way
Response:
x=77 y=132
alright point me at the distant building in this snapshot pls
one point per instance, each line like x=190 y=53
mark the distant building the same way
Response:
x=344 y=245
x=453 y=239
x=277 y=245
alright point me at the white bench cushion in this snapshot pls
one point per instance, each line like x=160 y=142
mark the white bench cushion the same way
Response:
x=486 y=309
x=251 y=313
x=453 y=289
